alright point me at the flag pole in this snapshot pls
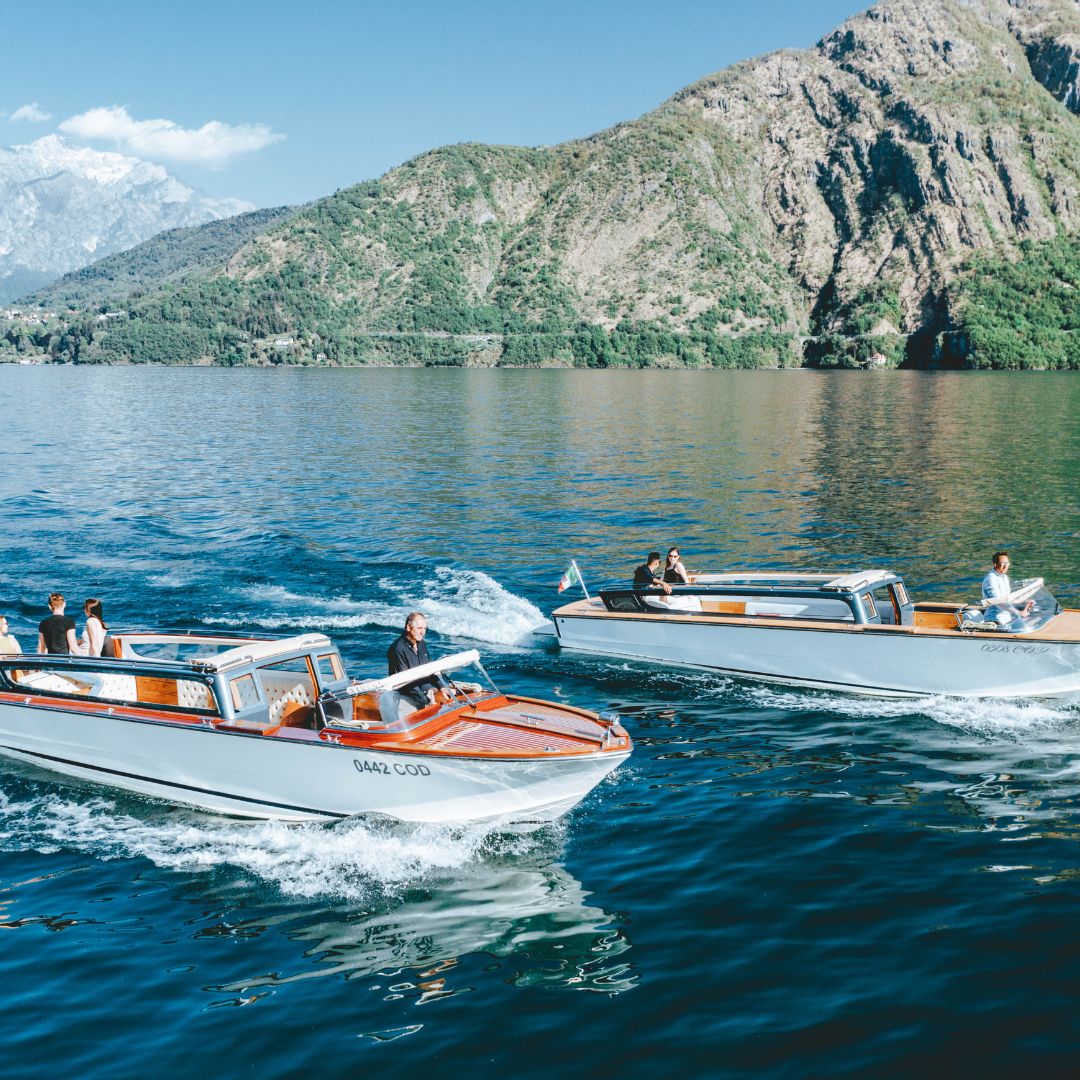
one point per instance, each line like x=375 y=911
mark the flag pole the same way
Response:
x=581 y=580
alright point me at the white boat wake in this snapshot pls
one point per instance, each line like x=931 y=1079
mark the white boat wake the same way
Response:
x=351 y=860
x=975 y=715
x=458 y=603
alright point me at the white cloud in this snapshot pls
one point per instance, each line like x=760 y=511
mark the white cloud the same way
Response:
x=32 y=112
x=212 y=145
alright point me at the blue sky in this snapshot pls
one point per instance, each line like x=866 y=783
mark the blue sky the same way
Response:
x=281 y=102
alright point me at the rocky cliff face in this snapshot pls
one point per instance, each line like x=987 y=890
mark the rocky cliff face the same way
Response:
x=911 y=136
x=798 y=190
x=62 y=207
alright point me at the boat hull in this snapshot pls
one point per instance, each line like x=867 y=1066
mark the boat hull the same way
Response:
x=250 y=776
x=882 y=662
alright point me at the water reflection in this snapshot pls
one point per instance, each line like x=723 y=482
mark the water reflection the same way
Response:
x=532 y=915
x=934 y=473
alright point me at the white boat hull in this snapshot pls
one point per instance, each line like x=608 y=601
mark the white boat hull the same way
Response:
x=865 y=660
x=250 y=776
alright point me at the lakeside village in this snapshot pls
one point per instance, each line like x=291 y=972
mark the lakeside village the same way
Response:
x=35 y=336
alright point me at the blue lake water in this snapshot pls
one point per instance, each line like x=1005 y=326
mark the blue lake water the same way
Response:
x=778 y=883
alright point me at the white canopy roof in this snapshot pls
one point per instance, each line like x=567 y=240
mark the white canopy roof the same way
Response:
x=264 y=650
x=859 y=579
x=414 y=674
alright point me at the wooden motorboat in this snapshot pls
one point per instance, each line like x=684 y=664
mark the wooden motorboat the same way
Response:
x=857 y=632
x=271 y=727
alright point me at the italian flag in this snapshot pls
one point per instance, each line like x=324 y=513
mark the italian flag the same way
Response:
x=571 y=577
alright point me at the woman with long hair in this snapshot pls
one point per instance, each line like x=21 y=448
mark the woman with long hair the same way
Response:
x=674 y=571
x=94 y=632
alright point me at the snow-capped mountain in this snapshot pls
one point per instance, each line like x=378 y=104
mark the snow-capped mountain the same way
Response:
x=64 y=206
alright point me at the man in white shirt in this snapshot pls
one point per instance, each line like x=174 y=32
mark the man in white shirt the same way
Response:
x=996 y=586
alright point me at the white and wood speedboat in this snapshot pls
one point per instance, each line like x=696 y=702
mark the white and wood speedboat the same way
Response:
x=857 y=632
x=262 y=727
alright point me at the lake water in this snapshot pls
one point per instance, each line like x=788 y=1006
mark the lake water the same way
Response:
x=778 y=883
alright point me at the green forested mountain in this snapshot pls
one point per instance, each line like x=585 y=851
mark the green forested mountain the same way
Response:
x=168 y=257
x=816 y=205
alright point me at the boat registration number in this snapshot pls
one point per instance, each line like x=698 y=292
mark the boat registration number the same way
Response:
x=408 y=768
x=1025 y=650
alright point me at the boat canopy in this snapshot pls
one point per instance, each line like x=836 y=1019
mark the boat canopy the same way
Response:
x=414 y=674
x=847 y=581
x=861 y=579
x=254 y=651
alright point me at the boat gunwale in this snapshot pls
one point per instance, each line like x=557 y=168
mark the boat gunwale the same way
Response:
x=338 y=738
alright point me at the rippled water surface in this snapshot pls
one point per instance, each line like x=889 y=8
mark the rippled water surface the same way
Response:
x=778 y=883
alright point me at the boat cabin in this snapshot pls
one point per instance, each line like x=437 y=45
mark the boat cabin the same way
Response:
x=295 y=687
x=876 y=597
x=861 y=598
x=251 y=684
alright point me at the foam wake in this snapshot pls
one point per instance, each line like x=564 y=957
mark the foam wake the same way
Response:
x=458 y=603
x=349 y=860
x=980 y=715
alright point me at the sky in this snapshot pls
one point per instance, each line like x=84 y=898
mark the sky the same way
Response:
x=284 y=101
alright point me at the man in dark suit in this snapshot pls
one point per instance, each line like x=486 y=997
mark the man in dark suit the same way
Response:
x=409 y=651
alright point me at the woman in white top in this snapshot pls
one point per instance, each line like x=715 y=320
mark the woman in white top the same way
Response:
x=8 y=644
x=94 y=632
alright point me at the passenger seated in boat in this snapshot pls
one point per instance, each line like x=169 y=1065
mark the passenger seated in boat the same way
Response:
x=648 y=575
x=410 y=651
x=996 y=586
x=674 y=571
x=8 y=644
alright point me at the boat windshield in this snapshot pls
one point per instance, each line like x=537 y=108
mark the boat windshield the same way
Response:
x=186 y=649
x=1026 y=609
x=370 y=706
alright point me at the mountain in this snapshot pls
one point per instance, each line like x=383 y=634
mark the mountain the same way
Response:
x=169 y=257
x=62 y=206
x=805 y=206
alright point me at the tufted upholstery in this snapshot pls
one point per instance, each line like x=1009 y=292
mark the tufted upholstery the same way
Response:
x=284 y=690
x=116 y=687
x=193 y=695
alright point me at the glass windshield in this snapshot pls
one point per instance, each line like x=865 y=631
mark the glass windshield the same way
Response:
x=405 y=708
x=1028 y=608
x=179 y=649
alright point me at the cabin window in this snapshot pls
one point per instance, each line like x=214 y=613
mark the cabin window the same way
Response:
x=900 y=592
x=887 y=605
x=802 y=608
x=244 y=692
x=288 y=685
x=869 y=606
x=116 y=687
x=330 y=669
x=626 y=602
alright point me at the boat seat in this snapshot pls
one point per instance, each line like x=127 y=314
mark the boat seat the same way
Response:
x=298 y=716
x=116 y=687
x=281 y=695
x=675 y=604
x=194 y=695
x=394 y=708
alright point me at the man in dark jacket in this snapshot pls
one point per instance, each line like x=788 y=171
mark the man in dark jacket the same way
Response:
x=649 y=575
x=409 y=651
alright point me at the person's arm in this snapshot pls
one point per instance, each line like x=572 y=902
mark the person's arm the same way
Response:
x=41 y=642
x=73 y=642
